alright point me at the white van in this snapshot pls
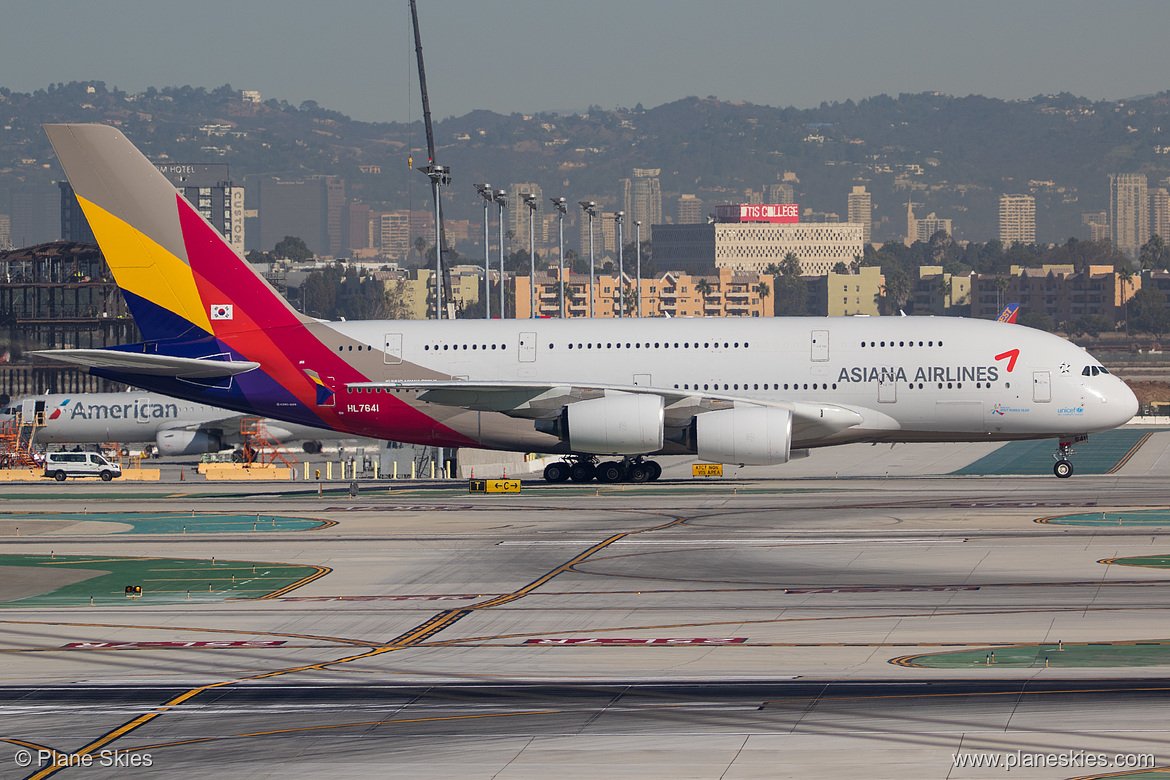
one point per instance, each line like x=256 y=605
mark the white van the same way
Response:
x=60 y=465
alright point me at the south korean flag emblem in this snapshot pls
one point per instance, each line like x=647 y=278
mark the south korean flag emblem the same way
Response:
x=222 y=311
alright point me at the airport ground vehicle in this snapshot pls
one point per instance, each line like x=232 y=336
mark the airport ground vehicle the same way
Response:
x=62 y=465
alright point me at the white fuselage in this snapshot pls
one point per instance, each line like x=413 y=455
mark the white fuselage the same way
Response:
x=910 y=378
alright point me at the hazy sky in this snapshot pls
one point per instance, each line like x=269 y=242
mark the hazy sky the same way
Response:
x=356 y=56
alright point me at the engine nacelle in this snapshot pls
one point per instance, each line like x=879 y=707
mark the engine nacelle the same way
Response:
x=616 y=425
x=751 y=436
x=186 y=443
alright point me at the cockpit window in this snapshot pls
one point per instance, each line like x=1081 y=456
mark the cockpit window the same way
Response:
x=1093 y=370
x=1086 y=371
x=1104 y=370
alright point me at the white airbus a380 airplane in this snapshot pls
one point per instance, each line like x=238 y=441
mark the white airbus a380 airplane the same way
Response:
x=728 y=390
x=174 y=426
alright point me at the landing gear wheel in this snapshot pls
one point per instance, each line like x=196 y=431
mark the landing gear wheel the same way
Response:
x=556 y=472
x=655 y=469
x=1063 y=469
x=581 y=471
x=611 y=471
x=639 y=472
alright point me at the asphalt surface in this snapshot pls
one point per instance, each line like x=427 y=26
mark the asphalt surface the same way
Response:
x=734 y=628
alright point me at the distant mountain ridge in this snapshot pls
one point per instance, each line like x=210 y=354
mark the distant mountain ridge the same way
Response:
x=953 y=155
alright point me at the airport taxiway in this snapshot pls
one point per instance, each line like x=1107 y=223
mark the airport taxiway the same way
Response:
x=740 y=628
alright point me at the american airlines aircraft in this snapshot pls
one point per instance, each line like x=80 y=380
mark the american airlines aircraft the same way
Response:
x=172 y=425
x=728 y=390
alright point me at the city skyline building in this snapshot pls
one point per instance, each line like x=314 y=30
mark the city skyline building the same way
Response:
x=861 y=211
x=690 y=211
x=518 y=218
x=641 y=199
x=1129 y=211
x=1160 y=212
x=1017 y=219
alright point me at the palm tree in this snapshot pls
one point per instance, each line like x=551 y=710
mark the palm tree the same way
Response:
x=1125 y=276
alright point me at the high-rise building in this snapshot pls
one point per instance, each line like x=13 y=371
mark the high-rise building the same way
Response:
x=518 y=215
x=1160 y=212
x=861 y=211
x=690 y=211
x=1129 y=211
x=310 y=209
x=1098 y=224
x=781 y=193
x=5 y=233
x=642 y=199
x=1017 y=219
x=394 y=234
x=358 y=216
x=336 y=229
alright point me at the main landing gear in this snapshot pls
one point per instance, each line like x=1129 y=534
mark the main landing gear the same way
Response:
x=1064 y=466
x=584 y=468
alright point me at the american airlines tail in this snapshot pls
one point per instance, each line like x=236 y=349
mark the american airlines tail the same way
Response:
x=213 y=328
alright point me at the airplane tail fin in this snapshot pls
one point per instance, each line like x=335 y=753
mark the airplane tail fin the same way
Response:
x=1009 y=313
x=179 y=276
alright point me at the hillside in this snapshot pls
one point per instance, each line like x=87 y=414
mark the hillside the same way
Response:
x=956 y=155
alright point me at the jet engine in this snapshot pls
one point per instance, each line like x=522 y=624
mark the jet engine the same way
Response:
x=749 y=436
x=615 y=425
x=187 y=443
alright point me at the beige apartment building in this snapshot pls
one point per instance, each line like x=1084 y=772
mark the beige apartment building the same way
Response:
x=725 y=294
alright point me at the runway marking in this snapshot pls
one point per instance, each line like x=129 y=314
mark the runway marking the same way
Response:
x=379 y=598
x=410 y=638
x=628 y=641
x=1125 y=458
x=313 y=637
x=212 y=644
x=404 y=508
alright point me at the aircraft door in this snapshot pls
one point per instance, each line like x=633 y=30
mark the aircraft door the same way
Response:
x=820 y=346
x=527 y=348
x=39 y=413
x=392 y=351
x=1042 y=387
x=143 y=405
x=887 y=388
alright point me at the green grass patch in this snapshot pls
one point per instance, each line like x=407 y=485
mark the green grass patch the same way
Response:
x=179 y=522
x=1154 y=517
x=1075 y=655
x=163 y=580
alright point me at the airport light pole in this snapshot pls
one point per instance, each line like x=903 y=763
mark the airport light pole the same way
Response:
x=618 y=219
x=563 y=209
x=638 y=242
x=440 y=176
x=533 y=205
x=485 y=192
x=591 y=210
x=501 y=199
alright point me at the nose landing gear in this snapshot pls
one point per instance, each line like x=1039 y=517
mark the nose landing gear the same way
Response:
x=1064 y=466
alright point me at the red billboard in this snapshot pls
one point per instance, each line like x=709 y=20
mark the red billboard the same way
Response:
x=758 y=212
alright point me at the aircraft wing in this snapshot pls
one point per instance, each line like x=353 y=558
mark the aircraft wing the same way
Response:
x=149 y=364
x=544 y=401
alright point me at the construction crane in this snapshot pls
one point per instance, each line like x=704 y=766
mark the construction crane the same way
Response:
x=440 y=176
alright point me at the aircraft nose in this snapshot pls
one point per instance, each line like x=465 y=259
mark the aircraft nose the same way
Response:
x=1123 y=402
